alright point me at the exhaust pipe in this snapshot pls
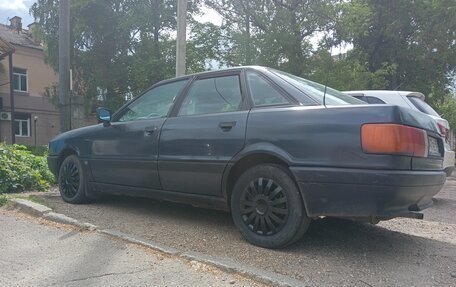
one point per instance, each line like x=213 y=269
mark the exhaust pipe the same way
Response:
x=411 y=214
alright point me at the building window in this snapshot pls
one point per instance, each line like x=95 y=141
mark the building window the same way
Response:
x=22 y=125
x=20 y=80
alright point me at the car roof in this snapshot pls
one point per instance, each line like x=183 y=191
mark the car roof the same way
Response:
x=253 y=67
x=387 y=93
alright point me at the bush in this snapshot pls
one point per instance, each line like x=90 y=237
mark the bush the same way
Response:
x=3 y=200
x=21 y=170
x=39 y=150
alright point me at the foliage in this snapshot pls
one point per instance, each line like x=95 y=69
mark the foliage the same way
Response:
x=418 y=39
x=446 y=108
x=348 y=73
x=40 y=150
x=21 y=170
x=121 y=47
x=273 y=33
x=3 y=200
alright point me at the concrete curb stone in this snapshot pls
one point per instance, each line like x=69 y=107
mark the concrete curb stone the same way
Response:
x=141 y=241
x=228 y=265
x=61 y=218
x=31 y=207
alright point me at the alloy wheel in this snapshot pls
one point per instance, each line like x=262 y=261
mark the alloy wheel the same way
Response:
x=264 y=206
x=70 y=179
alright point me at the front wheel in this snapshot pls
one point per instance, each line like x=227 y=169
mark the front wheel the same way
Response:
x=267 y=208
x=72 y=184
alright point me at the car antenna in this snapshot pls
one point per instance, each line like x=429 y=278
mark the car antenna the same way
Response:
x=395 y=89
x=327 y=76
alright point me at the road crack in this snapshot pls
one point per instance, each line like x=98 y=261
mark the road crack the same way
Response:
x=101 y=276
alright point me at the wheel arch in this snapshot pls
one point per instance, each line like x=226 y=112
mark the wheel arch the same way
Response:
x=261 y=153
x=67 y=151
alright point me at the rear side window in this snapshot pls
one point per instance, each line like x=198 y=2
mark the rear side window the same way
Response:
x=262 y=92
x=361 y=98
x=374 y=100
x=318 y=92
x=213 y=95
x=422 y=106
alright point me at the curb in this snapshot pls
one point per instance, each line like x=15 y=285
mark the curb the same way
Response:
x=140 y=241
x=224 y=264
x=40 y=210
x=31 y=207
x=231 y=266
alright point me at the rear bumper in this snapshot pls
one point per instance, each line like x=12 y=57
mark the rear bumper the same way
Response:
x=448 y=160
x=366 y=193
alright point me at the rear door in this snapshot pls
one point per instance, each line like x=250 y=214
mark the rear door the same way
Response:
x=207 y=131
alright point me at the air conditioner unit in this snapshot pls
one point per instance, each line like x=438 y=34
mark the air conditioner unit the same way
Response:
x=5 y=116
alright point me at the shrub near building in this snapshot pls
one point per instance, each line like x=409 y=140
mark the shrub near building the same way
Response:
x=20 y=170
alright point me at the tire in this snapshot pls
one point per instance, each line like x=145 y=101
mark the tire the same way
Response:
x=266 y=207
x=305 y=222
x=72 y=182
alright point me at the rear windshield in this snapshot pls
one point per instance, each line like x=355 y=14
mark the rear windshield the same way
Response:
x=422 y=106
x=316 y=91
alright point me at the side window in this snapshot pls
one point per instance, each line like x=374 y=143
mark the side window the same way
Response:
x=262 y=92
x=22 y=125
x=20 y=79
x=154 y=103
x=361 y=98
x=374 y=100
x=213 y=95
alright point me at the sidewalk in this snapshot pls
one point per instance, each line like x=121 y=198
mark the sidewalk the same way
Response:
x=36 y=252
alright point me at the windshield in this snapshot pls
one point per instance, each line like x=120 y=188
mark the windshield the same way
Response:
x=422 y=106
x=316 y=91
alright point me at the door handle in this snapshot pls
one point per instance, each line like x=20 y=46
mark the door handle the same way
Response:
x=226 y=126
x=150 y=131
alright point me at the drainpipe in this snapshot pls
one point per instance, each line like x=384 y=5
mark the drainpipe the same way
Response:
x=13 y=134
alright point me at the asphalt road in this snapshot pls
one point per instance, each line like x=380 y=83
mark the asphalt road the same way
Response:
x=399 y=252
x=36 y=252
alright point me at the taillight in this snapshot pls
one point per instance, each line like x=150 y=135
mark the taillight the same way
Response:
x=443 y=131
x=394 y=139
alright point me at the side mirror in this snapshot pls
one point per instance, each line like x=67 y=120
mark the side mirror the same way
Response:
x=104 y=116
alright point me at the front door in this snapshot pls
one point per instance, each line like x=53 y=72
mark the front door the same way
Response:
x=207 y=131
x=125 y=153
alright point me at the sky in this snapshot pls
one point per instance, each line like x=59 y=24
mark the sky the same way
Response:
x=11 y=8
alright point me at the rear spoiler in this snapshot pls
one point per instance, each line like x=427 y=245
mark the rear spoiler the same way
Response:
x=414 y=94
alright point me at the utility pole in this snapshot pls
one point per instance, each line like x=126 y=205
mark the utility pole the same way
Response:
x=64 y=65
x=181 y=41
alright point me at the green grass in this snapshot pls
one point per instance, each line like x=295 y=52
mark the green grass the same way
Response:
x=39 y=200
x=3 y=200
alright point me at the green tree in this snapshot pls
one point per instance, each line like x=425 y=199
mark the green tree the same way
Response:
x=417 y=37
x=121 y=47
x=404 y=45
x=346 y=72
x=274 y=33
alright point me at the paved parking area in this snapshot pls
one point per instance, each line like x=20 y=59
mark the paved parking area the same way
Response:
x=37 y=252
x=399 y=252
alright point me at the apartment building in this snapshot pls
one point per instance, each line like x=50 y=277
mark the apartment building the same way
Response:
x=36 y=119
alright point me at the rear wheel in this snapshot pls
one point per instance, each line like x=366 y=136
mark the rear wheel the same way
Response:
x=267 y=208
x=72 y=182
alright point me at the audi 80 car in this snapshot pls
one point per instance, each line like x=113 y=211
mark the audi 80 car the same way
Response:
x=274 y=149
